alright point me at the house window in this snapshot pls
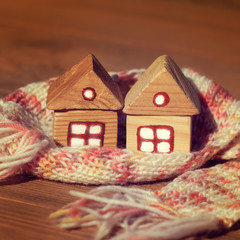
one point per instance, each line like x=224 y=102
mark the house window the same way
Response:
x=155 y=139
x=89 y=94
x=161 y=99
x=86 y=133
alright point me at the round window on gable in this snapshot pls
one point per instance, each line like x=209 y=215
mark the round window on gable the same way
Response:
x=161 y=99
x=89 y=94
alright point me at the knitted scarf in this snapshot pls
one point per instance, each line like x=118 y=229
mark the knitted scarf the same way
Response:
x=204 y=196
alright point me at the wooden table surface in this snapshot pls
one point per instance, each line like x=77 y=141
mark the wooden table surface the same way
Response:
x=42 y=39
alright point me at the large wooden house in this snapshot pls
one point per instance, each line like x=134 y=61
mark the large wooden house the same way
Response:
x=159 y=109
x=85 y=101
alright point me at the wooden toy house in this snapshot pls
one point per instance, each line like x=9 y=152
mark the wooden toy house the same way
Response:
x=85 y=101
x=159 y=108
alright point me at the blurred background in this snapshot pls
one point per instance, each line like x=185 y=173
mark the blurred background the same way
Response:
x=42 y=39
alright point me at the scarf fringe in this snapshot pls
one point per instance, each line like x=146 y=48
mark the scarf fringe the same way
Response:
x=139 y=213
x=19 y=146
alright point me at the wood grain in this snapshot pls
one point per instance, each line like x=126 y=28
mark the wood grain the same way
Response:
x=24 y=212
x=67 y=91
x=163 y=75
x=42 y=39
x=180 y=124
x=63 y=118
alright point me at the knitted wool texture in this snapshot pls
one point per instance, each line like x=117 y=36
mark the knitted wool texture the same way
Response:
x=26 y=127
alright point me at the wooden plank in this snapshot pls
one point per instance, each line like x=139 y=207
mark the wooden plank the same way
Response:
x=39 y=192
x=181 y=126
x=32 y=222
x=26 y=203
x=109 y=118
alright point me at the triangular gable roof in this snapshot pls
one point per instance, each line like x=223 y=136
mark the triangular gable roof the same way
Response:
x=163 y=76
x=66 y=92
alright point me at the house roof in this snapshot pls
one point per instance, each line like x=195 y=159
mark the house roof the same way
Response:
x=67 y=91
x=163 y=77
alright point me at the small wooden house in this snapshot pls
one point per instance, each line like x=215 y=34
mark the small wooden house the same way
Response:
x=85 y=101
x=159 y=108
